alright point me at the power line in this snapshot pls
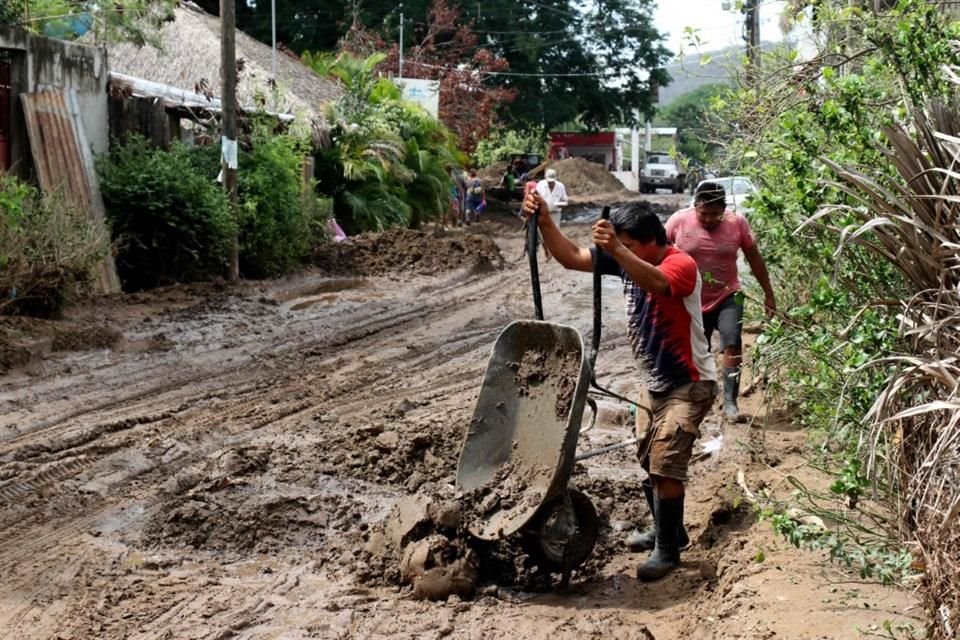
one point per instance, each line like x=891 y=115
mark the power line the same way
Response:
x=593 y=74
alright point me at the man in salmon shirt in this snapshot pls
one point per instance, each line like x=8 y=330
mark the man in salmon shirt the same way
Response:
x=714 y=235
x=678 y=375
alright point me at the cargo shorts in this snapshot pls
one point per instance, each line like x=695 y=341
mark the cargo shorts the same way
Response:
x=664 y=447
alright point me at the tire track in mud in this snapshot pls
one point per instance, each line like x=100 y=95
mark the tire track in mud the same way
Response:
x=355 y=329
x=134 y=417
x=32 y=544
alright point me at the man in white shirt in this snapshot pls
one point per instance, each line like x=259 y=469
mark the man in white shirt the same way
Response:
x=554 y=195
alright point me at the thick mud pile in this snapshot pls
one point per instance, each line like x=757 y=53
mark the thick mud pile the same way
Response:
x=581 y=177
x=405 y=251
x=584 y=178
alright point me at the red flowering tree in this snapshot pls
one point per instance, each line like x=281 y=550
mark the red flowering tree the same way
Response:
x=447 y=50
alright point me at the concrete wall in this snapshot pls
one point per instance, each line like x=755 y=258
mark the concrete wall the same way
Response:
x=628 y=179
x=48 y=63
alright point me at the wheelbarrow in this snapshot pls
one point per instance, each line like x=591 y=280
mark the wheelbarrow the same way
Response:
x=520 y=447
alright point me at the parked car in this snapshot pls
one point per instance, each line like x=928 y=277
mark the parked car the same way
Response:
x=661 y=171
x=739 y=189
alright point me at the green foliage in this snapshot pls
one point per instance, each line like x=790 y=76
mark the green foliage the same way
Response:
x=578 y=47
x=135 y=21
x=48 y=249
x=841 y=305
x=172 y=220
x=886 y=564
x=691 y=113
x=281 y=219
x=825 y=356
x=387 y=164
x=498 y=146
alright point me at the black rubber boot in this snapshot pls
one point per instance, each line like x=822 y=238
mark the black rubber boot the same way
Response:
x=666 y=555
x=646 y=540
x=731 y=389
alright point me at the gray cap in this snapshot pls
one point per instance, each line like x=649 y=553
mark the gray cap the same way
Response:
x=551 y=174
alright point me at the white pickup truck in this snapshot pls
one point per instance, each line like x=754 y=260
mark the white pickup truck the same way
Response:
x=660 y=171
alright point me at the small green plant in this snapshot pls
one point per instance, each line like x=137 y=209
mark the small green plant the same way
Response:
x=48 y=250
x=851 y=483
x=172 y=222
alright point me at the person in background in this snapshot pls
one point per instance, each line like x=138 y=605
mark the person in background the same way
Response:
x=460 y=187
x=554 y=195
x=714 y=235
x=677 y=374
x=476 y=197
x=508 y=180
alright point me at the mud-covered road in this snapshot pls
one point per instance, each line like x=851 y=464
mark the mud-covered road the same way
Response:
x=210 y=462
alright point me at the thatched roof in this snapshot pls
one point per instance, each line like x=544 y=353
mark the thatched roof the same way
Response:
x=189 y=59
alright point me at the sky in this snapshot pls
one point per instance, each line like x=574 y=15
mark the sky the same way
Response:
x=717 y=28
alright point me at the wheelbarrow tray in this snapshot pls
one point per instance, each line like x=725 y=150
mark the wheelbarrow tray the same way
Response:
x=519 y=448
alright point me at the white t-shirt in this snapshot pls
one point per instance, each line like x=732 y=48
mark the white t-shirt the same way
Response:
x=558 y=195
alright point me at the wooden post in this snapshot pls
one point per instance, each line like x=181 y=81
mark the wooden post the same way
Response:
x=228 y=78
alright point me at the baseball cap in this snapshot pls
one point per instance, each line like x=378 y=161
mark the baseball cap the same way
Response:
x=551 y=174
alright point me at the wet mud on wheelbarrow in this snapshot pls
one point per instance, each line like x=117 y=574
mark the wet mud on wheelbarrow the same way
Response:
x=520 y=448
x=521 y=445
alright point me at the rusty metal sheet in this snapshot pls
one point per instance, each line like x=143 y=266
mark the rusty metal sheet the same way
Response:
x=64 y=162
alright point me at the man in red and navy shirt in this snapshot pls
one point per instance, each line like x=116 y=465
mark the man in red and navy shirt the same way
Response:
x=678 y=376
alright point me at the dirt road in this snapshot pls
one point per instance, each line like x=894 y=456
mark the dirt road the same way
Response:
x=205 y=462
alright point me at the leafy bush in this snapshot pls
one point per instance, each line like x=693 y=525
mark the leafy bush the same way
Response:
x=852 y=151
x=280 y=217
x=387 y=161
x=500 y=144
x=48 y=250
x=172 y=221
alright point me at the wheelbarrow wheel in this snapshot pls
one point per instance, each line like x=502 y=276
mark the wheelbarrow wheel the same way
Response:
x=563 y=536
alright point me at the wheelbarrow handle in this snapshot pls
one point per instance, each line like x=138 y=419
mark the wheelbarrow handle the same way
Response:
x=595 y=339
x=532 y=235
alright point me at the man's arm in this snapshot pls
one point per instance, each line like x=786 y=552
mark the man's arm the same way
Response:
x=562 y=248
x=644 y=275
x=759 y=269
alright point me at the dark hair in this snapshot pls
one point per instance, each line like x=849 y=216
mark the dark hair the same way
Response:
x=710 y=193
x=639 y=222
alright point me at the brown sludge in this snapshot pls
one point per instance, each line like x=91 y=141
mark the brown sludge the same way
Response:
x=230 y=467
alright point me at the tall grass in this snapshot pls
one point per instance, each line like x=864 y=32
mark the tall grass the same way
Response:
x=910 y=219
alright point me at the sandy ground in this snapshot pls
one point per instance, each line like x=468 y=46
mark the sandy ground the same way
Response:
x=210 y=462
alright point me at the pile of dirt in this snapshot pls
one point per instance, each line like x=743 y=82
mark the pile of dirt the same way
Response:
x=405 y=251
x=584 y=178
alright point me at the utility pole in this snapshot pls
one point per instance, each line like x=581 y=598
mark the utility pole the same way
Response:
x=273 y=51
x=751 y=10
x=228 y=135
x=401 y=40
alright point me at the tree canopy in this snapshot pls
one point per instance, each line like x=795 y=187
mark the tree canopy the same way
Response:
x=690 y=114
x=567 y=60
x=130 y=20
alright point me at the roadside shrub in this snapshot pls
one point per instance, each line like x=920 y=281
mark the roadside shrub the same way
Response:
x=172 y=221
x=48 y=250
x=281 y=219
x=387 y=161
